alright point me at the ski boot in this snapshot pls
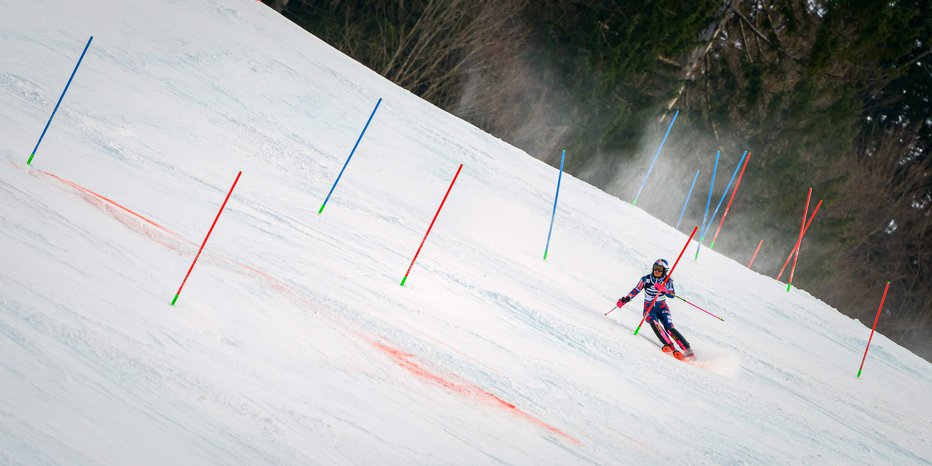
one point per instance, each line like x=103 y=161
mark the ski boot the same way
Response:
x=678 y=355
x=667 y=348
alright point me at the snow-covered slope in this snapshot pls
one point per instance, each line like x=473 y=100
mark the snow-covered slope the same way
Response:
x=293 y=343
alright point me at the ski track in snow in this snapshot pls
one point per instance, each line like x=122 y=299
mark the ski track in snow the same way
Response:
x=292 y=342
x=401 y=358
x=562 y=335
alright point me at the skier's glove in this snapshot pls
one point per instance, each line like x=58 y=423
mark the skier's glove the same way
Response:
x=621 y=302
x=660 y=287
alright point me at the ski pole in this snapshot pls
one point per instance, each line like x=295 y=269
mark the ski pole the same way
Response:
x=697 y=307
x=667 y=278
x=610 y=311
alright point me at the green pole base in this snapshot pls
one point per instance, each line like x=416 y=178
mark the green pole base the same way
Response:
x=403 y=280
x=321 y=208
x=545 y=254
x=788 y=287
x=29 y=162
x=859 y=373
x=175 y=299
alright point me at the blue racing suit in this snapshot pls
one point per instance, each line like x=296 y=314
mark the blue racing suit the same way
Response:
x=659 y=315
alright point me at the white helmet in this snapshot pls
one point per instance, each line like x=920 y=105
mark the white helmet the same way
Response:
x=663 y=264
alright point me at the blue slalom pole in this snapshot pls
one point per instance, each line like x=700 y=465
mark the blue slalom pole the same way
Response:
x=552 y=216
x=727 y=188
x=33 y=154
x=708 y=201
x=350 y=156
x=662 y=142
x=695 y=177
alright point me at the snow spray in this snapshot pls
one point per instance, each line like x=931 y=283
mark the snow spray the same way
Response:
x=730 y=200
x=707 y=226
x=876 y=318
x=688 y=195
x=364 y=128
x=403 y=280
x=652 y=162
x=206 y=237
x=33 y=154
x=554 y=214
x=708 y=201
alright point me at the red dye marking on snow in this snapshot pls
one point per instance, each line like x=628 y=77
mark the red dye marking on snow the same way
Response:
x=634 y=440
x=278 y=284
x=403 y=359
x=160 y=235
x=88 y=191
x=273 y=282
x=92 y=196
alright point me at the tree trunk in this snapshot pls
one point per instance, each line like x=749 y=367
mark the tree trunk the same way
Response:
x=699 y=53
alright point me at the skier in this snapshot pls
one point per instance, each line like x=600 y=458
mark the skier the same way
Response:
x=659 y=315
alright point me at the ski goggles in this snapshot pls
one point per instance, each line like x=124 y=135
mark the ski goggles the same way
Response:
x=660 y=269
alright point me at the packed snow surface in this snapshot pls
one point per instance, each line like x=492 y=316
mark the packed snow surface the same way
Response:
x=292 y=341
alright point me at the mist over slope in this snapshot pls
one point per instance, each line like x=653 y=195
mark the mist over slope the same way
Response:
x=292 y=341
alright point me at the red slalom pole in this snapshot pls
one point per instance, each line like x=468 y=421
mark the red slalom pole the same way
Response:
x=730 y=199
x=701 y=309
x=795 y=246
x=206 y=237
x=403 y=280
x=666 y=279
x=755 y=253
x=876 y=318
x=799 y=242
